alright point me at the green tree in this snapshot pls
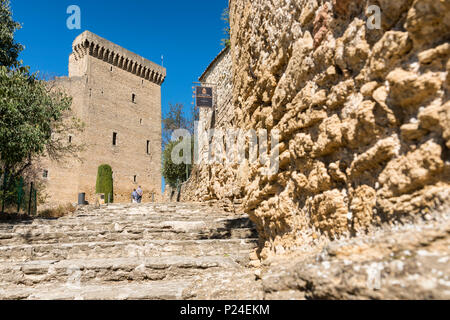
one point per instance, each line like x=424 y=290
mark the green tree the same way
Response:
x=175 y=174
x=105 y=182
x=177 y=118
x=9 y=49
x=35 y=117
x=172 y=121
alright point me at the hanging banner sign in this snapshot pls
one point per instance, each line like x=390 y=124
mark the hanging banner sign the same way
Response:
x=204 y=97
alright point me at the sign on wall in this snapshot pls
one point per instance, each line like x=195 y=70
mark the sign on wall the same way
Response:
x=204 y=97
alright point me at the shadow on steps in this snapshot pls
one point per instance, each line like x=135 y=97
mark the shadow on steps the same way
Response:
x=239 y=228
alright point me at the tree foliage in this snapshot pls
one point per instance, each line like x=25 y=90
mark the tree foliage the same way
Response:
x=35 y=117
x=105 y=182
x=9 y=48
x=176 y=118
x=34 y=121
x=172 y=121
x=174 y=174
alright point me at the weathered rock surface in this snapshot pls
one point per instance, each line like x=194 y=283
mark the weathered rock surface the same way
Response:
x=160 y=251
x=363 y=116
x=193 y=251
x=405 y=261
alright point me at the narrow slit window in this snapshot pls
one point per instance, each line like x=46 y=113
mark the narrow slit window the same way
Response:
x=133 y=98
x=135 y=179
x=70 y=139
x=148 y=146
x=114 y=139
x=45 y=174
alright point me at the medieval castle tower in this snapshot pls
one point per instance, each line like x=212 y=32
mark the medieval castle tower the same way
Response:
x=117 y=94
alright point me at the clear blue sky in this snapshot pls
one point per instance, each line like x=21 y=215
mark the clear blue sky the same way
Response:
x=187 y=33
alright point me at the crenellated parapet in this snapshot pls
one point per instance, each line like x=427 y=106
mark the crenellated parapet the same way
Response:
x=90 y=44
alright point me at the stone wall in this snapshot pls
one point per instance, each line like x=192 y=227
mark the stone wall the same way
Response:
x=103 y=79
x=364 y=115
x=215 y=182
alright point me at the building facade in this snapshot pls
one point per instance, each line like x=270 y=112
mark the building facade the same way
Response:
x=215 y=182
x=117 y=95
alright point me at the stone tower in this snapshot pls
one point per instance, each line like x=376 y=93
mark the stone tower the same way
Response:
x=117 y=94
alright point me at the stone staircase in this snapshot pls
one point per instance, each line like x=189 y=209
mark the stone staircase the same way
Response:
x=149 y=251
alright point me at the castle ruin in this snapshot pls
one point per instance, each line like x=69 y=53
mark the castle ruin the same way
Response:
x=117 y=95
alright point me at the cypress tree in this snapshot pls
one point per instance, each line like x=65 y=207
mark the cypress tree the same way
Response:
x=105 y=182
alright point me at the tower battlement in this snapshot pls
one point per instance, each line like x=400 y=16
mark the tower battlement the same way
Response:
x=117 y=95
x=91 y=44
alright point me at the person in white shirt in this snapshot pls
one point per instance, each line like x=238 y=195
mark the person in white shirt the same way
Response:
x=140 y=193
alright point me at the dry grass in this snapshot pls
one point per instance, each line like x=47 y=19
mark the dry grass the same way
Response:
x=57 y=212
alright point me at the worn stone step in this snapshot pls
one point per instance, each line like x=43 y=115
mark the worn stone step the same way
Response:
x=125 y=235
x=121 y=224
x=155 y=290
x=114 y=270
x=150 y=251
x=89 y=222
x=139 y=209
x=124 y=249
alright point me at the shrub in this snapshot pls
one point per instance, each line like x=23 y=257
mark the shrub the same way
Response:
x=57 y=212
x=105 y=182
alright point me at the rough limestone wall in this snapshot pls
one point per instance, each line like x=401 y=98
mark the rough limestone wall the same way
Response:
x=215 y=181
x=364 y=114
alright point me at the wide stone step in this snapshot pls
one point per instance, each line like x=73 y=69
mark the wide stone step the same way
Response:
x=74 y=272
x=125 y=235
x=80 y=222
x=155 y=290
x=97 y=250
x=211 y=284
x=123 y=224
x=144 y=213
x=147 y=209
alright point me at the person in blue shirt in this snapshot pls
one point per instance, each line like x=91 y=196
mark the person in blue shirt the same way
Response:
x=134 y=196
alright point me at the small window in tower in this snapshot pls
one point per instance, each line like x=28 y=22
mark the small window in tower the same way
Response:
x=140 y=121
x=133 y=98
x=135 y=179
x=70 y=139
x=114 y=138
x=45 y=174
x=111 y=69
x=148 y=146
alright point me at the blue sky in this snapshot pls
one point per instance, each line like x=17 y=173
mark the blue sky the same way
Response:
x=187 y=33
